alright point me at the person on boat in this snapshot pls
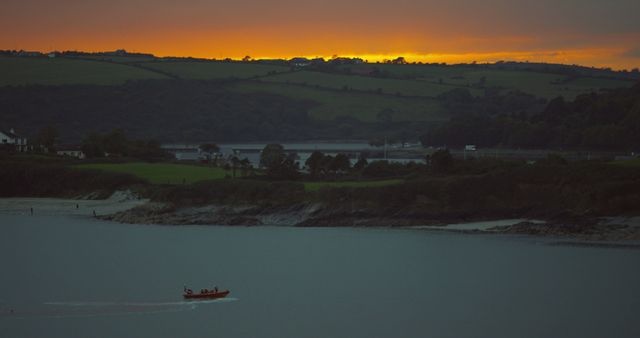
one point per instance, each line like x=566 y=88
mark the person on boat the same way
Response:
x=215 y=289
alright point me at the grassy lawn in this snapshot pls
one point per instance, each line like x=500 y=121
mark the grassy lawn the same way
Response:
x=59 y=71
x=635 y=163
x=162 y=173
x=362 y=106
x=214 y=70
x=315 y=186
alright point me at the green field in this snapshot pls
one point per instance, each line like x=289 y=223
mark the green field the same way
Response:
x=545 y=85
x=162 y=173
x=407 y=80
x=364 y=83
x=205 y=70
x=635 y=163
x=60 y=71
x=315 y=186
x=538 y=84
x=362 y=106
x=118 y=59
x=408 y=91
x=430 y=72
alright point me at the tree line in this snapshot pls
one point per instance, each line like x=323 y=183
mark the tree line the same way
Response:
x=281 y=165
x=609 y=120
x=116 y=143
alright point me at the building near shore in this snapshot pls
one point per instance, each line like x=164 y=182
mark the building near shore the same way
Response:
x=9 y=138
x=70 y=151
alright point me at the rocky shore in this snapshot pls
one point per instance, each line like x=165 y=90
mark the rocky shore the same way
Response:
x=125 y=207
x=592 y=230
x=587 y=228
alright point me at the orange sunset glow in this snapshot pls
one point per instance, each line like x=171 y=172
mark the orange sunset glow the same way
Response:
x=575 y=32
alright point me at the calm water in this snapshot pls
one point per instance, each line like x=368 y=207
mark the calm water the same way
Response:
x=73 y=277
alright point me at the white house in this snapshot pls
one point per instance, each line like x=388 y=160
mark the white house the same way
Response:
x=10 y=138
x=299 y=62
x=71 y=151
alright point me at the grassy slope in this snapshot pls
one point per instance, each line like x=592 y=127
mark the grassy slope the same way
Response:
x=58 y=71
x=315 y=186
x=162 y=173
x=363 y=106
x=323 y=88
x=386 y=86
x=539 y=84
x=424 y=78
x=214 y=70
x=118 y=59
x=635 y=163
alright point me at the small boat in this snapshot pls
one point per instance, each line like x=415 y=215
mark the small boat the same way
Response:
x=205 y=294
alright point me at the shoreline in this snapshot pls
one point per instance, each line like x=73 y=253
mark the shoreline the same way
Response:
x=119 y=201
x=125 y=207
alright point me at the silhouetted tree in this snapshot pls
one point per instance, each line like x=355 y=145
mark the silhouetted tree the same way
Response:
x=399 y=61
x=245 y=166
x=441 y=161
x=340 y=163
x=115 y=143
x=92 y=145
x=314 y=163
x=361 y=164
x=277 y=163
x=47 y=138
x=209 y=149
x=235 y=164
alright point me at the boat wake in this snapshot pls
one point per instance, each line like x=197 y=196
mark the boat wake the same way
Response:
x=150 y=304
x=69 y=309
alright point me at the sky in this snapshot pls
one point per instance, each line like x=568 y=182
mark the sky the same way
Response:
x=600 y=33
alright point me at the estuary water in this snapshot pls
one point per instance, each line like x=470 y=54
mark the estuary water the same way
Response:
x=63 y=276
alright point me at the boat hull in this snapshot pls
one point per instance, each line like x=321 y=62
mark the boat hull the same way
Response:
x=208 y=295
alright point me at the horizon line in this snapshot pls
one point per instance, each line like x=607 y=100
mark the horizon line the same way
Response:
x=467 y=58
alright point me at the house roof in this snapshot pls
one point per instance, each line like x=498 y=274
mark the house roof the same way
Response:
x=10 y=133
x=300 y=60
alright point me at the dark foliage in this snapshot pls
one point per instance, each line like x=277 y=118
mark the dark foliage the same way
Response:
x=440 y=161
x=155 y=109
x=314 y=163
x=386 y=169
x=607 y=121
x=116 y=144
x=33 y=178
x=506 y=190
x=278 y=164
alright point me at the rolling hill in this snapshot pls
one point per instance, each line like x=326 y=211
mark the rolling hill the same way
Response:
x=353 y=100
x=17 y=71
